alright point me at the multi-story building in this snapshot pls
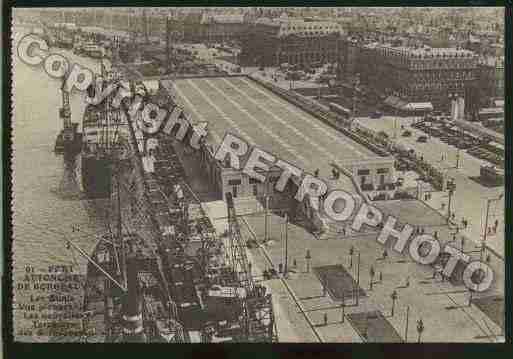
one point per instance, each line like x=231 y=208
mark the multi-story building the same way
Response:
x=488 y=86
x=490 y=73
x=213 y=28
x=349 y=53
x=284 y=40
x=413 y=75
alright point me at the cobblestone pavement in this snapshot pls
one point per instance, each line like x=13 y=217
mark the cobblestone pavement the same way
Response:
x=443 y=307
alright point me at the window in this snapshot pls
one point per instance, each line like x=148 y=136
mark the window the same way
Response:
x=253 y=180
x=363 y=172
x=382 y=170
x=234 y=182
x=382 y=180
x=234 y=191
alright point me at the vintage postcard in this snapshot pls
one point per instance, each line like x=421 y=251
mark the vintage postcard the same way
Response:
x=258 y=174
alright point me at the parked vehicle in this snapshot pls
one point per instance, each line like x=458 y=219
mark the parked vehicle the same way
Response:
x=435 y=132
x=406 y=133
x=463 y=145
x=422 y=139
x=453 y=140
x=376 y=114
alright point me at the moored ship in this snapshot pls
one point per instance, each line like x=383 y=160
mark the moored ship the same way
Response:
x=161 y=273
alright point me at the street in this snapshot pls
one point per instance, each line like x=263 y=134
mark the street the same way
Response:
x=470 y=197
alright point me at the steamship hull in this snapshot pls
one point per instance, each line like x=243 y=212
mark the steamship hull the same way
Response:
x=157 y=222
x=96 y=177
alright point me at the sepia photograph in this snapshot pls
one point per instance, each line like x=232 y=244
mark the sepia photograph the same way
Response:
x=257 y=175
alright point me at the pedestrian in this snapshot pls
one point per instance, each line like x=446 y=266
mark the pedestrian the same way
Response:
x=496 y=224
x=381 y=276
x=407 y=282
x=316 y=173
x=453 y=216
x=454 y=236
x=385 y=254
x=344 y=231
x=294 y=263
x=442 y=206
x=436 y=234
x=423 y=230
x=489 y=230
x=325 y=319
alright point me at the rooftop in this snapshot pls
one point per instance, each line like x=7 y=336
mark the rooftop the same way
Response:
x=222 y=19
x=241 y=106
x=294 y=26
x=423 y=52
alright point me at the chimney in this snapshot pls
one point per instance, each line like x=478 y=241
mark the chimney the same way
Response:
x=133 y=330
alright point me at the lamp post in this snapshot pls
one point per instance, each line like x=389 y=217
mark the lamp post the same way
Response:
x=372 y=273
x=420 y=329
x=343 y=306
x=458 y=151
x=451 y=187
x=286 y=243
x=366 y=329
x=308 y=257
x=488 y=202
x=351 y=252
x=406 y=326
x=394 y=298
x=358 y=280
x=419 y=187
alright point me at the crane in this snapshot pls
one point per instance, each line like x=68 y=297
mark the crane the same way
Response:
x=257 y=322
x=237 y=251
x=68 y=140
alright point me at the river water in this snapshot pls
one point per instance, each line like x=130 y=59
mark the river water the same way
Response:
x=42 y=215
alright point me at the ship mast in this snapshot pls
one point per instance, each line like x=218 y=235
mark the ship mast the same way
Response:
x=120 y=234
x=168 y=30
x=66 y=109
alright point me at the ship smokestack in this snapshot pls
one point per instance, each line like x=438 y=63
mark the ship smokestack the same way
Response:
x=133 y=331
